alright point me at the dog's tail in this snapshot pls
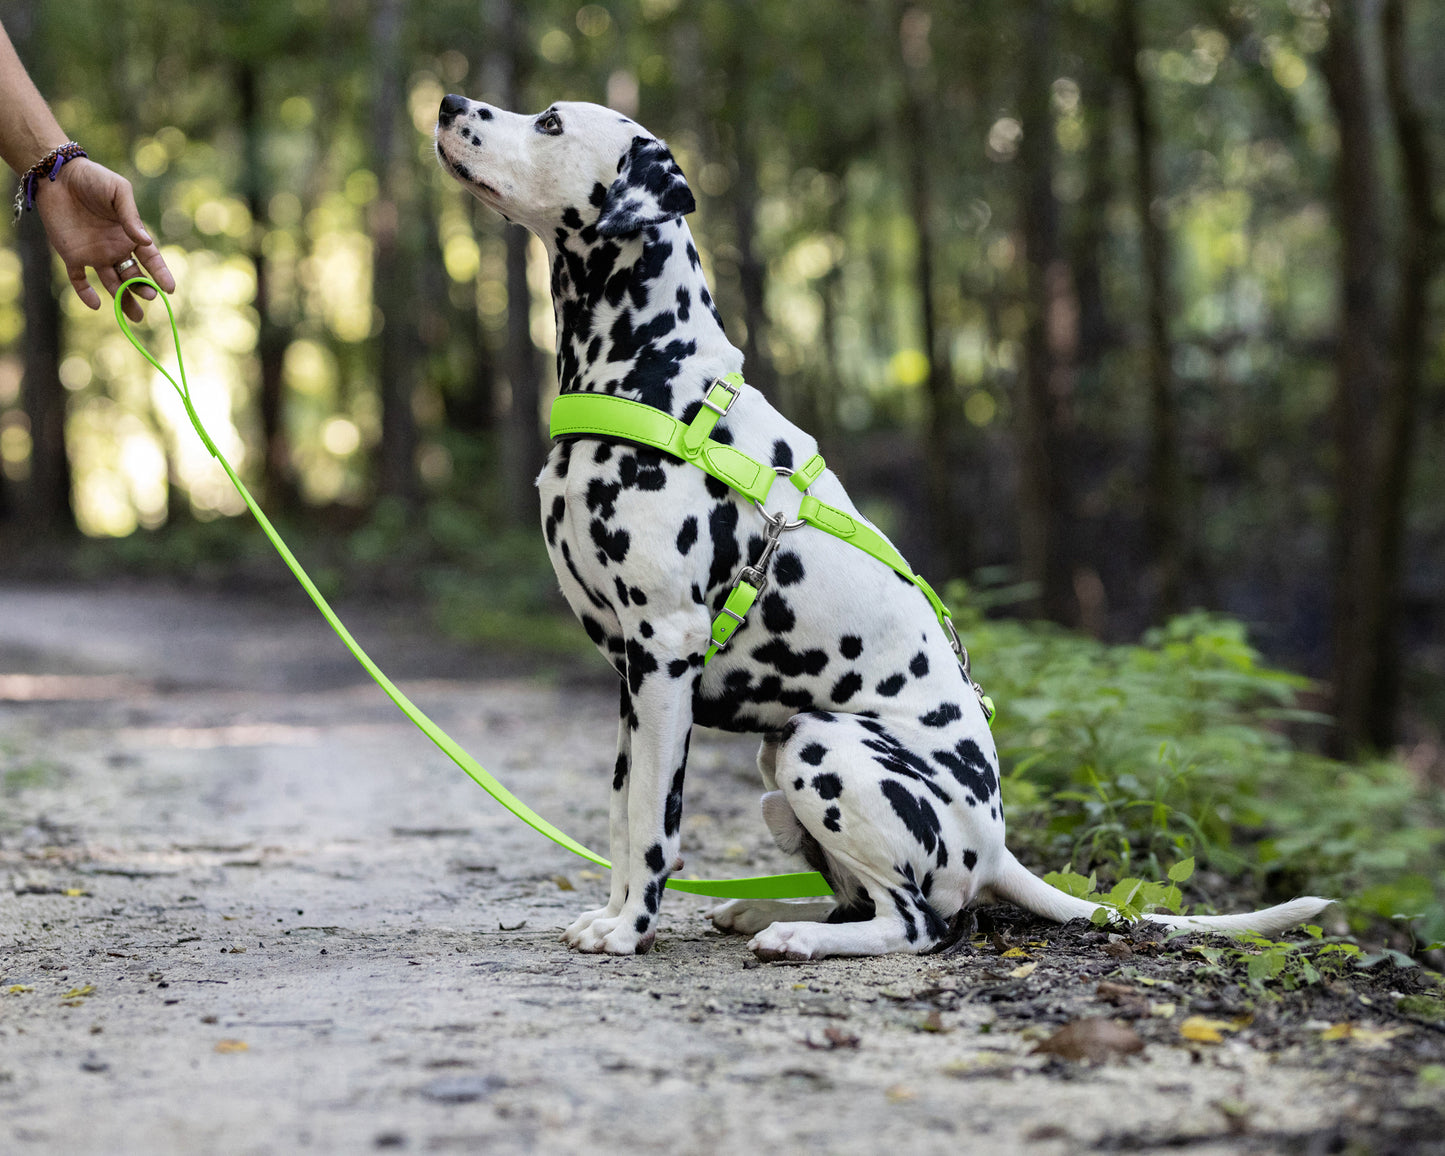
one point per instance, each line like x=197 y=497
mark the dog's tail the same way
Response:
x=1018 y=884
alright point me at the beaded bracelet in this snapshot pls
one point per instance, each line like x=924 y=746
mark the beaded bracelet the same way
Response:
x=48 y=166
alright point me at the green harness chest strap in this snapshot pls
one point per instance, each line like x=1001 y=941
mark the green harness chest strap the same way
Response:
x=601 y=415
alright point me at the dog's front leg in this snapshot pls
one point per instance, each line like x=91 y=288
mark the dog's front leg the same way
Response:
x=616 y=826
x=661 y=726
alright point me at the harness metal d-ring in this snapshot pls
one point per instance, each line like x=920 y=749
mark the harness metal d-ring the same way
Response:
x=783 y=472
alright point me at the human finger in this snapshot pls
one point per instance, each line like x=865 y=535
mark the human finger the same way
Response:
x=145 y=247
x=82 y=286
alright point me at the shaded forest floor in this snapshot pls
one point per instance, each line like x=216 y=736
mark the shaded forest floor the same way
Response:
x=245 y=907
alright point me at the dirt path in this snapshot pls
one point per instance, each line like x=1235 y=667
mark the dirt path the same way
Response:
x=246 y=908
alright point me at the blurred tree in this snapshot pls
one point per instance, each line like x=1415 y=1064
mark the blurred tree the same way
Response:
x=393 y=273
x=45 y=505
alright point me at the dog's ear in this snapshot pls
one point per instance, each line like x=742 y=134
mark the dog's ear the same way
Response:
x=649 y=189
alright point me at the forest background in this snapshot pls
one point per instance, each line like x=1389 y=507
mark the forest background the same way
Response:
x=1108 y=310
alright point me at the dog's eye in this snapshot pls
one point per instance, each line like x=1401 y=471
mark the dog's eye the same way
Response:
x=550 y=123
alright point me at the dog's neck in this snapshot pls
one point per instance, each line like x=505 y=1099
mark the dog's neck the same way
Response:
x=635 y=316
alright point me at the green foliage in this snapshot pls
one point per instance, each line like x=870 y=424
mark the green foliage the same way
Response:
x=1128 y=899
x=1267 y=962
x=1120 y=759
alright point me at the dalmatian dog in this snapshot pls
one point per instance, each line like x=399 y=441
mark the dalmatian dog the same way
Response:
x=876 y=758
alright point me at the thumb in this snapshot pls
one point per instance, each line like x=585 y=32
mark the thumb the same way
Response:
x=126 y=213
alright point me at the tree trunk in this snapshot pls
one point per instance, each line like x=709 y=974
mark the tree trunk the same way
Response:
x=1049 y=345
x=46 y=506
x=522 y=449
x=952 y=530
x=45 y=498
x=1419 y=264
x=1164 y=518
x=391 y=288
x=1360 y=367
x=278 y=478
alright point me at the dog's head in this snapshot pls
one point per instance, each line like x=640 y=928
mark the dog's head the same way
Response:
x=574 y=164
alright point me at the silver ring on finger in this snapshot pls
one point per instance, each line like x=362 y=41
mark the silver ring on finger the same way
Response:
x=122 y=270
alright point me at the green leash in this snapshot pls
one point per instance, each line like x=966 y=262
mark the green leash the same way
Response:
x=790 y=886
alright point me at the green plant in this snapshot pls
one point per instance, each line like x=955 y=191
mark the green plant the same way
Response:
x=1117 y=760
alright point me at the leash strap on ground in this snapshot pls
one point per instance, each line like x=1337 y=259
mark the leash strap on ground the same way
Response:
x=789 y=886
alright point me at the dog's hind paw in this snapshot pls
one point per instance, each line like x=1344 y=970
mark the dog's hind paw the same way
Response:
x=749 y=916
x=784 y=941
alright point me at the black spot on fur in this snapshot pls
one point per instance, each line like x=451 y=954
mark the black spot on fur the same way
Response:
x=919 y=665
x=917 y=815
x=619 y=773
x=850 y=646
x=946 y=713
x=788 y=662
x=970 y=859
x=777 y=614
x=654 y=858
x=891 y=685
x=846 y=687
x=678 y=667
x=640 y=663
x=672 y=814
x=813 y=754
x=687 y=536
x=788 y=568
x=968 y=764
x=782 y=454
x=828 y=785
x=831 y=817
x=610 y=544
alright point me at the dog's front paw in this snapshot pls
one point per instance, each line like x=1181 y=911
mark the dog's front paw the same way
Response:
x=579 y=926
x=786 y=941
x=610 y=935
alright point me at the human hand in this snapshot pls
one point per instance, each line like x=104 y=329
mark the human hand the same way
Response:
x=91 y=219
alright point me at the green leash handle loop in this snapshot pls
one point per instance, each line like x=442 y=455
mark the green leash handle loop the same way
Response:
x=794 y=885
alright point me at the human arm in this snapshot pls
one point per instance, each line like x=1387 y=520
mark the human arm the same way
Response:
x=88 y=211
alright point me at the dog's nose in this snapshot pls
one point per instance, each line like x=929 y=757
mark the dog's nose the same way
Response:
x=452 y=107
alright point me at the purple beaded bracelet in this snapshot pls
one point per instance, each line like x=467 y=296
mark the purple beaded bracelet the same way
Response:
x=48 y=166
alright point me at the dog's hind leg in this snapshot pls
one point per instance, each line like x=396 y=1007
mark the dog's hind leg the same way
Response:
x=616 y=826
x=878 y=826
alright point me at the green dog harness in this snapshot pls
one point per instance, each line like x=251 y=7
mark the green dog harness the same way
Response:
x=601 y=415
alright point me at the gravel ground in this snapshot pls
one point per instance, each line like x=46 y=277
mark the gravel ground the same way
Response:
x=246 y=908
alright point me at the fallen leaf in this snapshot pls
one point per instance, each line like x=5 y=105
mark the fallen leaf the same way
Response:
x=74 y=892
x=1162 y=1010
x=77 y=992
x=590 y=876
x=18 y=989
x=900 y=1094
x=1095 y=1039
x=1203 y=1030
x=1016 y=953
x=1115 y=991
x=1023 y=971
x=1372 y=1039
x=226 y=1047
x=1118 y=949
x=563 y=883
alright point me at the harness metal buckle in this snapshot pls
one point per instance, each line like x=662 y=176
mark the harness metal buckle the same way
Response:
x=732 y=392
